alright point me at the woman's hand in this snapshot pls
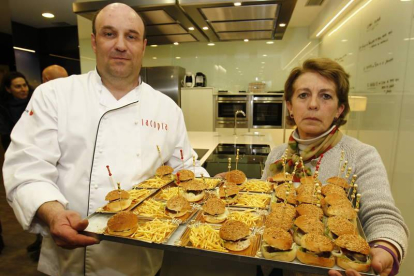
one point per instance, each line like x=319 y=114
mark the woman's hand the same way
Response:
x=382 y=262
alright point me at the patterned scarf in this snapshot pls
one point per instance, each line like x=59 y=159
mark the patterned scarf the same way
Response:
x=314 y=150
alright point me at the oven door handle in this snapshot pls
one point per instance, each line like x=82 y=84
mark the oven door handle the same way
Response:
x=232 y=102
x=267 y=102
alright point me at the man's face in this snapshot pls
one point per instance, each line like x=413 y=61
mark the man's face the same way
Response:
x=118 y=43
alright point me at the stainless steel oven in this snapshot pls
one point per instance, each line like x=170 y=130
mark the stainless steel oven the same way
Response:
x=267 y=111
x=226 y=106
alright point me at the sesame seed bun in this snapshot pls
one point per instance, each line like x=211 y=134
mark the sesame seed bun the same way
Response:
x=124 y=224
x=353 y=242
x=236 y=176
x=279 y=219
x=312 y=245
x=345 y=211
x=340 y=226
x=186 y=175
x=309 y=180
x=214 y=210
x=177 y=206
x=280 y=193
x=235 y=235
x=309 y=224
x=229 y=192
x=194 y=190
x=309 y=210
x=281 y=178
x=164 y=170
x=286 y=209
x=329 y=189
x=118 y=205
x=116 y=195
x=305 y=189
x=278 y=245
x=341 y=182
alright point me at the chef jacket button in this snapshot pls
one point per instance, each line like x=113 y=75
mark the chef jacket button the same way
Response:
x=100 y=151
x=96 y=187
x=136 y=122
x=138 y=154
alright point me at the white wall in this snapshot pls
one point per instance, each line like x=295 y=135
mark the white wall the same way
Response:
x=374 y=46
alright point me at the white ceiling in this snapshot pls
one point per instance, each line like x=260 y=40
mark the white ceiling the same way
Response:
x=30 y=13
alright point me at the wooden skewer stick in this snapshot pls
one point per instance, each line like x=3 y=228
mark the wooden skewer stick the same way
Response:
x=194 y=162
x=159 y=152
x=110 y=177
x=284 y=168
x=358 y=199
x=348 y=173
x=119 y=194
x=182 y=157
x=237 y=158
x=229 y=165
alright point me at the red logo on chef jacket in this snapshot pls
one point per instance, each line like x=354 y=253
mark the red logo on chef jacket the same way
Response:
x=154 y=124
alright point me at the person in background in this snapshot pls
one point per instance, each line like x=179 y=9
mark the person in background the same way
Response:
x=316 y=96
x=53 y=72
x=49 y=73
x=14 y=96
x=55 y=171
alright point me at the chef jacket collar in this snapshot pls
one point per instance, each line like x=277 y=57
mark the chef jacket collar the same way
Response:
x=108 y=100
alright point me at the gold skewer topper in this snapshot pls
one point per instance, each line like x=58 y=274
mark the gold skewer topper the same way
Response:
x=358 y=199
x=348 y=173
x=229 y=165
x=237 y=157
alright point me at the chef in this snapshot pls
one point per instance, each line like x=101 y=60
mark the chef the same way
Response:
x=55 y=168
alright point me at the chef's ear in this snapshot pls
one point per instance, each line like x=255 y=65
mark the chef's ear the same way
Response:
x=8 y=90
x=93 y=42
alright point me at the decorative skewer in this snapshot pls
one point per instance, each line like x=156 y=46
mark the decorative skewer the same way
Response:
x=354 y=177
x=354 y=191
x=178 y=179
x=284 y=168
x=348 y=173
x=229 y=165
x=344 y=167
x=302 y=165
x=119 y=194
x=194 y=164
x=237 y=157
x=340 y=161
x=182 y=157
x=358 y=199
x=159 y=152
x=110 y=177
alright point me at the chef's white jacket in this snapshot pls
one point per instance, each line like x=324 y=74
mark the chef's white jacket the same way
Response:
x=71 y=130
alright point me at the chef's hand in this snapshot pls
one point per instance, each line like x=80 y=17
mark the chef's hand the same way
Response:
x=220 y=175
x=65 y=225
x=382 y=262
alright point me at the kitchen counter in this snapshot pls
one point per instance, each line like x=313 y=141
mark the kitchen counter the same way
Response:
x=210 y=140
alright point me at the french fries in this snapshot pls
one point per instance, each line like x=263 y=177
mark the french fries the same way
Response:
x=154 y=183
x=138 y=194
x=155 y=230
x=204 y=236
x=253 y=200
x=246 y=216
x=151 y=208
x=255 y=185
x=168 y=193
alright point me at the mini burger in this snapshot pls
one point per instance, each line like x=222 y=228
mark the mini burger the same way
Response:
x=334 y=199
x=194 y=190
x=354 y=253
x=280 y=193
x=235 y=235
x=118 y=200
x=186 y=175
x=286 y=209
x=345 y=211
x=306 y=224
x=214 y=210
x=164 y=171
x=280 y=219
x=177 y=206
x=316 y=249
x=278 y=245
x=229 y=192
x=123 y=224
x=338 y=226
x=236 y=176
x=309 y=210
x=281 y=178
x=339 y=181
x=304 y=189
x=329 y=189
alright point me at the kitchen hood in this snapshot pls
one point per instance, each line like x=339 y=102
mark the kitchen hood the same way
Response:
x=170 y=21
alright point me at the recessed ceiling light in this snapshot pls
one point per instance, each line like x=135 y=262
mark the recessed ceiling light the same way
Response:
x=191 y=28
x=263 y=62
x=282 y=25
x=205 y=28
x=48 y=15
x=269 y=42
x=154 y=45
x=176 y=43
x=246 y=40
x=154 y=57
x=211 y=44
x=24 y=49
x=177 y=57
x=265 y=55
x=344 y=40
x=237 y=4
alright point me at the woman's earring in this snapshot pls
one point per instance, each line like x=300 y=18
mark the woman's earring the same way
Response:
x=291 y=115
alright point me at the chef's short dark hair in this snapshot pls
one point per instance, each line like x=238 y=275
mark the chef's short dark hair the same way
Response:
x=329 y=69
x=96 y=15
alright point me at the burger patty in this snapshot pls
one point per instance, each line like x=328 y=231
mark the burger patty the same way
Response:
x=195 y=192
x=272 y=249
x=325 y=254
x=354 y=256
x=171 y=211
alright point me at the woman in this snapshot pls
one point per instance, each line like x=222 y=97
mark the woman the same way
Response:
x=14 y=96
x=316 y=96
